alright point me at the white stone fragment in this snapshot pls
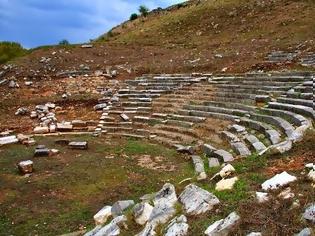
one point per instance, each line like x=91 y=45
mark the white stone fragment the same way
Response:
x=142 y=212
x=278 y=181
x=101 y=217
x=224 y=226
x=8 y=140
x=226 y=184
x=262 y=197
x=177 y=227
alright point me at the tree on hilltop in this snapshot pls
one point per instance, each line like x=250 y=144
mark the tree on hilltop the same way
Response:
x=144 y=11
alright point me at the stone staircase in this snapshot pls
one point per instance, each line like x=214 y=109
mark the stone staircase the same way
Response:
x=222 y=116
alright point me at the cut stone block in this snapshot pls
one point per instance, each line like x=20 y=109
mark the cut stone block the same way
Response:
x=25 y=167
x=83 y=145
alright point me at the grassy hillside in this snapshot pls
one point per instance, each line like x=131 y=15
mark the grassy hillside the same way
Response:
x=10 y=50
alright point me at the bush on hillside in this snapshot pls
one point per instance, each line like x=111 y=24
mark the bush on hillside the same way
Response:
x=144 y=11
x=64 y=42
x=133 y=16
x=10 y=50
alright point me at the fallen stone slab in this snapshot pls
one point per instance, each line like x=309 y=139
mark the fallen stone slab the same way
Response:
x=41 y=130
x=166 y=195
x=25 y=167
x=224 y=226
x=213 y=162
x=278 y=181
x=177 y=227
x=100 y=106
x=82 y=145
x=162 y=213
x=142 y=212
x=311 y=175
x=124 y=117
x=8 y=140
x=199 y=167
x=62 y=141
x=111 y=229
x=64 y=127
x=101 y=217
x=148 y=230
x=184 y=149
x=254 y=234
x=120 y=206
x=41 y=151
x=196 y=200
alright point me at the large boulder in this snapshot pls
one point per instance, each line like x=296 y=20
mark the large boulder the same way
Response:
x=224 y=226
x=197 y=200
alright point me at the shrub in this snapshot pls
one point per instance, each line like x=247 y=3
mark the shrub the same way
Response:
x=133 y=16
x=10 y=50
x=64 y=42
x=144 y=11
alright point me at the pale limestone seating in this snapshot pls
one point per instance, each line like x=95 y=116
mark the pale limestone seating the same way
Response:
x=167 y=99
x=136 y=104
x=165 y=141
x=252 y=91
x=273 y=135
x=114 y=129
x=147 y=119
x=208 y=114
x=140 y=99
x=303 y=110
x=235 y=95
x=238 y=146
x=236 y=112
x=221 y=154
x=137 y=136
x=255 y=143
x=177 y=129
x=303 y=89
x=295 y=119
x=250 y=102
x=140 y=91
x=179 y=123
x=298 y=95
x=252 y=87
x=238 y=106
x=116 y=124
x=174 y=136
x=194 y=119
x=279 y=123
x=302 y=102
x=139 y=95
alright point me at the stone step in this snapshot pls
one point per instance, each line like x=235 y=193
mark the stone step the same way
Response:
x=303 y=102
x=115 y=129
x=252 y=91
x=273 y=135
x=221 y=154
x=280 y=78
x=115 y=124
x=250 y=102
x=279 y=123
x=236 y=112
x=296 y=119
x=303 y=89
x=128 y=135
x=252 y=88
x=235 y=95
x=254 y=142
x=177 y=129
x=193 y=119
x=237 y=106
x=308 y=96
x=147 y=119
x=136 y=104
x=139 y=95
x=238 y=146
x=164 y=141
x=141 y=99
x=179 y=123
x=140 y=91
x=207 y=114
x=303 y=110
x=171 y=100
x=183 y=138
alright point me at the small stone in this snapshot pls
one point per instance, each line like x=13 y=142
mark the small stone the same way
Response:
x=309 y=213
x=124 y=117
x=21 y=111
x=226 y=171
x=41 y=151
x=254 y=234
x=305 y=232
x=311 y=175
x=226 y=184
x=278 y=181
x=213 y=162
x=54 y=152
x=224 y=226
x=177 y=227
x=262 y=197
x=286 y=194
x=79 y=145
x=166 y=195
x=100 y=106
x=101 y=217
x=184 y=149
x=25 y=167
x=63 y=127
